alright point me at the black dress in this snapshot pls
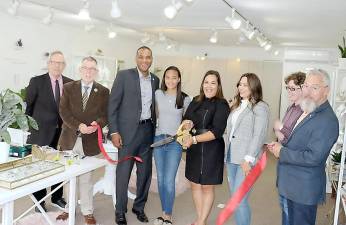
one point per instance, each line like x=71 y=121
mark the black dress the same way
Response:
x=205 y=161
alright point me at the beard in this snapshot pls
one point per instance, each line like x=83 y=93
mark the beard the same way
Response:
x=308 y=105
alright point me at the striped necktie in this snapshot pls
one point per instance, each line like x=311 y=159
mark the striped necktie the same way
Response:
x=85 y=97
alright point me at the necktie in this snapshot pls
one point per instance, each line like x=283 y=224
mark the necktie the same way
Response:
x=57 y=93
x=85 y=97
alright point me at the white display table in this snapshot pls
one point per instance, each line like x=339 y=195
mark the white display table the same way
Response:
x=106 y=185
x=7 y=197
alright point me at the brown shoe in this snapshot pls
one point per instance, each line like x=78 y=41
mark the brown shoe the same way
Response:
x=90 y=219
x=63 y=216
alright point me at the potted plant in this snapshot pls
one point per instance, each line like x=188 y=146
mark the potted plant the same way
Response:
x=342 y=60
x=336 y=157
x=12 y=110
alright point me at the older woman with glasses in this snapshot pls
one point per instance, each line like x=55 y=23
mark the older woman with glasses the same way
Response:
x=294 y=84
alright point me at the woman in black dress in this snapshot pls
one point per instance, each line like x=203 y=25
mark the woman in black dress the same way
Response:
x=207 y=114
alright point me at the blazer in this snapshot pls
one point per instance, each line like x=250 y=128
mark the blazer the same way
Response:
x=41 y=105
x=249 y=134
x=73 y=115
x=301 y=173
x=125 y=104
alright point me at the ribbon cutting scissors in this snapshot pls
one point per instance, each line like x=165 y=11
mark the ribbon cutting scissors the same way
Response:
x=180 y=136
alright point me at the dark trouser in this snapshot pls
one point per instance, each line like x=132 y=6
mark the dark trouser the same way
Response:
x=59 y=193
x=139 y=146
x=300 y=214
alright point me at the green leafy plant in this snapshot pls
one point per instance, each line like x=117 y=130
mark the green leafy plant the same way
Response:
x=343 y=48
x=336 y=157
x=12 y=110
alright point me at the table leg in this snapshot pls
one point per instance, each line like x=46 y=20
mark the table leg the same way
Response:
x=7 y=213
x=72 y=201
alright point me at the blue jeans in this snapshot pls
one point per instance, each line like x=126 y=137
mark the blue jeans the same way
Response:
x=167 y=158
x=284 y=208
x=235 y=176
x=300 y=214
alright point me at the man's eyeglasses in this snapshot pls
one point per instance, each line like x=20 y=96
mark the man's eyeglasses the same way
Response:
x=292 y=89
x=313 y=87
x=57 y=63
x=89 y=69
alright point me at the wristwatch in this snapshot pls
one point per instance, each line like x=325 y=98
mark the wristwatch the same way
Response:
x=194 y=140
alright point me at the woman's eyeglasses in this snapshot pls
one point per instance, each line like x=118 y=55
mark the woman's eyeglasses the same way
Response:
x=292 y=89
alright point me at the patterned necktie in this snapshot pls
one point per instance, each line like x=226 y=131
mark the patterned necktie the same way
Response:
x=57 y=93
x=85 y=97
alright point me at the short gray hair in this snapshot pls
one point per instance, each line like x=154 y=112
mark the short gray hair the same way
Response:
x=320 y=72
x=89 y=58
x=57 y=52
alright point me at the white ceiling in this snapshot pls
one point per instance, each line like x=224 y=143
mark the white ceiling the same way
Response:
x=303 y=23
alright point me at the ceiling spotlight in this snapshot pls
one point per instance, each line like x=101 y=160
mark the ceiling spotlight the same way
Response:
x=276 y=52
x=248 y=31
x=115 y=11
x=213 y=38
x=48 y=19
x=84 y=12
x=112 y=34
x=268 y=46
x=233 y=22
x=169 y=46
x=172 y=10
x=14 y=7
x=261 y=40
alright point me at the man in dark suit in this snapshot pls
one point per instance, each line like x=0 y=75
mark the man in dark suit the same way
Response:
x=42 y=99
x=83 y=106
x=301 y=177
x=131 y=116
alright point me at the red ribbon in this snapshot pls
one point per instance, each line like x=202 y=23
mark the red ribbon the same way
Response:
x=105 y=154
x=242 y=190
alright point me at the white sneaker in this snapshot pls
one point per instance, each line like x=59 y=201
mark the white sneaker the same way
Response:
x=159 y=221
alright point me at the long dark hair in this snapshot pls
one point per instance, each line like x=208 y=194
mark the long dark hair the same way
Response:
x=219 y=93
x=179 y=102
x=255 y=89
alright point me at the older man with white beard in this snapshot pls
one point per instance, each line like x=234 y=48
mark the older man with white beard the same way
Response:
x=301 y=177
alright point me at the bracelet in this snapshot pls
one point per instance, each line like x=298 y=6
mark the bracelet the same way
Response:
x=194 y=140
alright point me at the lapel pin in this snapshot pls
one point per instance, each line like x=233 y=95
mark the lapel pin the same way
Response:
x=95 y=90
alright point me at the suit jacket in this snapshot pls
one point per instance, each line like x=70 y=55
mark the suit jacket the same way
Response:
x=301 y=168
x=250 y=132
x=125 y=104
x=42 y=107
x=73 y=115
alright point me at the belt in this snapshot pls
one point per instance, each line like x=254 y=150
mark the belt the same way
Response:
x=199 y=131
x=145 y=121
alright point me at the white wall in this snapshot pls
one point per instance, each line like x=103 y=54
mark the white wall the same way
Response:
x=17 y=66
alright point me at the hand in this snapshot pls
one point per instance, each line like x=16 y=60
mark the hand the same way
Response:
x=83 y=128
x=279 y=135
x=277 y=125
x=187 y=142
x=93 y=123
x=275 y=148
x=117 y=141
x=91 y=129
x=187 y=124
x=246 y=167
